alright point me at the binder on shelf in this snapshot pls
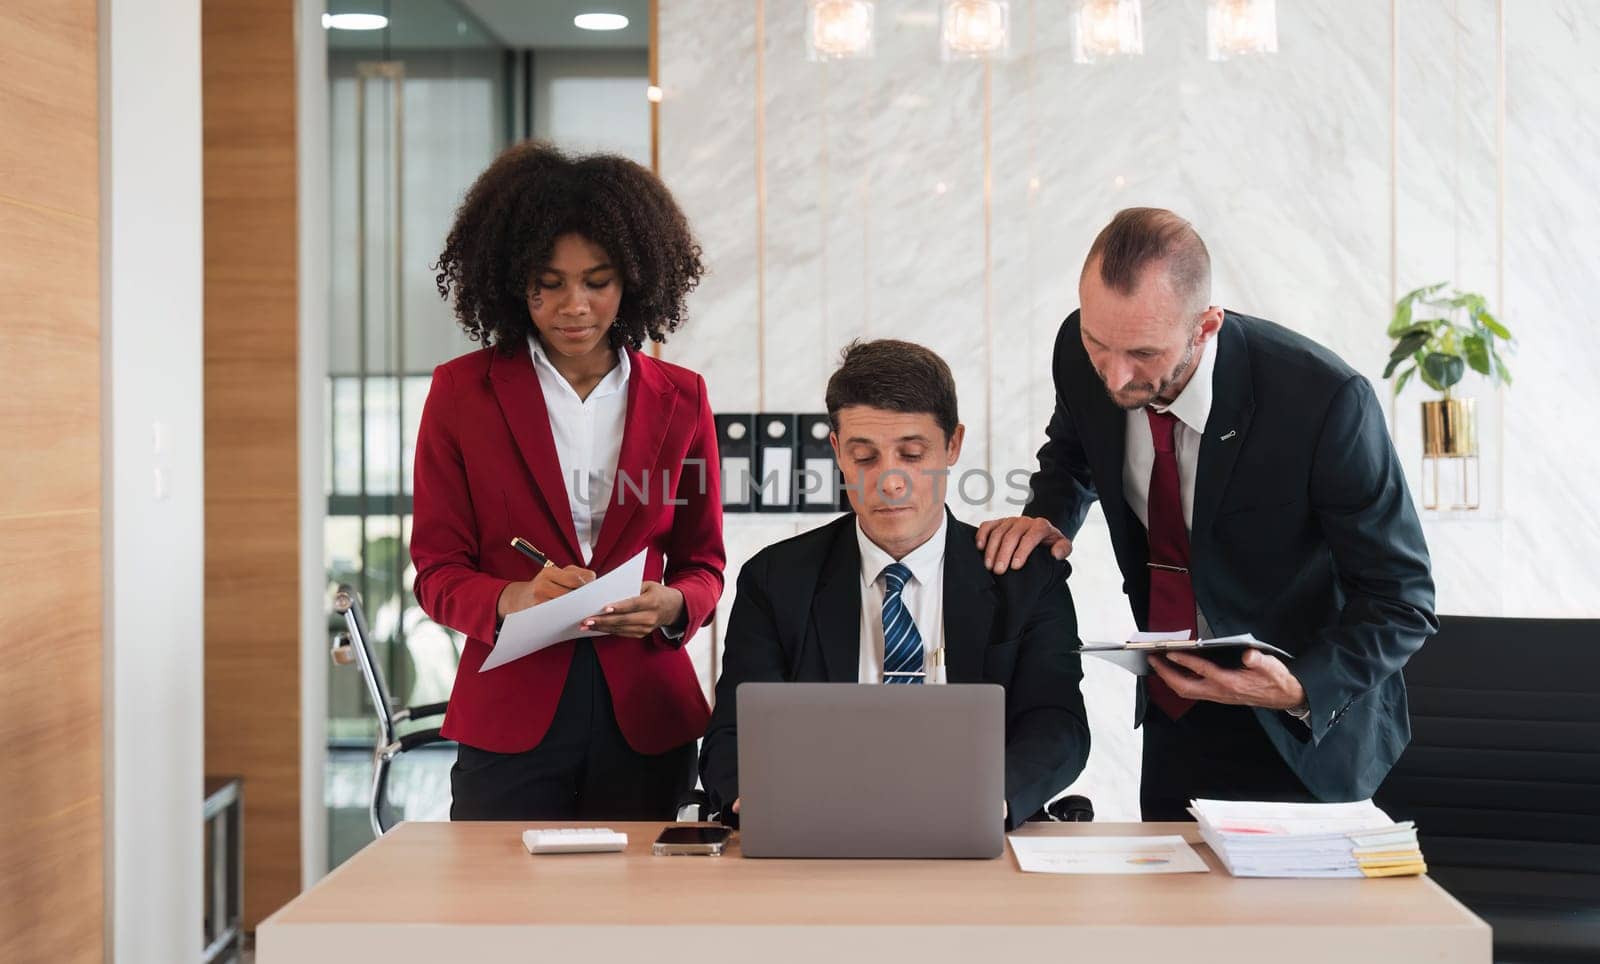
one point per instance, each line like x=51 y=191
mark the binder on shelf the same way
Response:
x=775 y=463
x=819 y=474
x=736 y=435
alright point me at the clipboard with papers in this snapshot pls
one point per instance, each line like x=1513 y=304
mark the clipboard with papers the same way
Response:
x=1134 y=654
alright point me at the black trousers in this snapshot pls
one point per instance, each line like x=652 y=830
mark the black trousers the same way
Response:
x=583 y=769
x=1215 y=752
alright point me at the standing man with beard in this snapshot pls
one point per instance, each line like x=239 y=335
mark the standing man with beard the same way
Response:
x=1249 y=485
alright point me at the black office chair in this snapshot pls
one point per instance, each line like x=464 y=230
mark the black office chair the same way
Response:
x=1503 y=778
x=354 y=646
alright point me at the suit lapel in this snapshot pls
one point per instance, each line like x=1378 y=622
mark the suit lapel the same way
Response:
x=1105 y=434
x=1232 y=404
x=1111 y=426
x=521 y=399
x=652 y=402
x=836 y=607
x=969 y=604
x=1110 y=432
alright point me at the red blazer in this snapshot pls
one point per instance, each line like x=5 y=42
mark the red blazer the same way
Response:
x=487 y=470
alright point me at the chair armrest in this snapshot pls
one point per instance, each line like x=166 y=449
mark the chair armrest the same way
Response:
x=1071 y=809
x=416 y=738
x=697 y=799
x=414 y=713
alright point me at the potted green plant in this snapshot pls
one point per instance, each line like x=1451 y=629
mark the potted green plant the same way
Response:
x=1441 y=335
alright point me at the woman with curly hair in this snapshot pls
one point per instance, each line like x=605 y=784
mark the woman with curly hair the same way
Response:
x=560 y=431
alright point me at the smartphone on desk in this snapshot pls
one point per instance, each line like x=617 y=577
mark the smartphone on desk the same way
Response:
x=696 y=841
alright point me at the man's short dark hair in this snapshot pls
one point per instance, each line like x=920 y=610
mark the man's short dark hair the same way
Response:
x=1139 y=237
x=897 y=376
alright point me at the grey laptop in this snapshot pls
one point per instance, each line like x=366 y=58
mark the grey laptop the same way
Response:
x=844 y=770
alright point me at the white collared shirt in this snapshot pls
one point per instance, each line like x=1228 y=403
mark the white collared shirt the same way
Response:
x=588 y=437
x=923 y=596
x=1192 y=408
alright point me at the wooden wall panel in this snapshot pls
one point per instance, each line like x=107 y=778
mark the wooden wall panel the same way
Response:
x=50 y=342
x=50 y=106
x=52 y=869
x=252 y=448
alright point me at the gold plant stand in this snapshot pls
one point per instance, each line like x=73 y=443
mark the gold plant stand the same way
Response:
x=1450 y=454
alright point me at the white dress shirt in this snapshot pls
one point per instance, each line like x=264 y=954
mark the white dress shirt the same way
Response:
x=588 y=436
x=1192 y=408
x=923 y=596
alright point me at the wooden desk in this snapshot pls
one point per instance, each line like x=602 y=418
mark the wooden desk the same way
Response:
x=446 y=892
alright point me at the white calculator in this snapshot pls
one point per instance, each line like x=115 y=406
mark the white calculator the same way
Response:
x=574 y=840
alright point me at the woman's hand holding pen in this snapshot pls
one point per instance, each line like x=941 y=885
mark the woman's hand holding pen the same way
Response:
x=551 y=581
x=655 y=607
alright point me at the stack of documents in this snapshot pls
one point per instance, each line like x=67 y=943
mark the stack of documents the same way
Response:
x=1308 y=839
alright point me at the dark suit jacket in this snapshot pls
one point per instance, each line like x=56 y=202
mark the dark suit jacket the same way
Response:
x=487 y=470
x=797 y=618
x=1303 y=534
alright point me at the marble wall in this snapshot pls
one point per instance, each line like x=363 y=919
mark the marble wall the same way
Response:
x=952 y=204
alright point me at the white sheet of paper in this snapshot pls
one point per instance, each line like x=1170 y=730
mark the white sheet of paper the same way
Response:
x=1264 y=821
x=542 y=626
x=1236 y=638
x=1106 y=855
x=1177 y=636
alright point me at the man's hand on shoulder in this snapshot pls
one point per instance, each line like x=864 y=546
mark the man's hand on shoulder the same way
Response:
x=1007 y=543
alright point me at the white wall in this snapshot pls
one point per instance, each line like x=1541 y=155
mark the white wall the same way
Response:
x=311 y=73
x=852 y=199
x=151 y=249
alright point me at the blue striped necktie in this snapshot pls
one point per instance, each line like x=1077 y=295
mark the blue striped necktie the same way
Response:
x=902 y=644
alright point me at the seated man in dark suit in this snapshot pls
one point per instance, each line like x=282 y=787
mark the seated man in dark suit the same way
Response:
x=897 y=591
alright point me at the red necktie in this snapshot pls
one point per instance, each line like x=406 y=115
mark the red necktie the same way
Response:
x=1172 y=604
